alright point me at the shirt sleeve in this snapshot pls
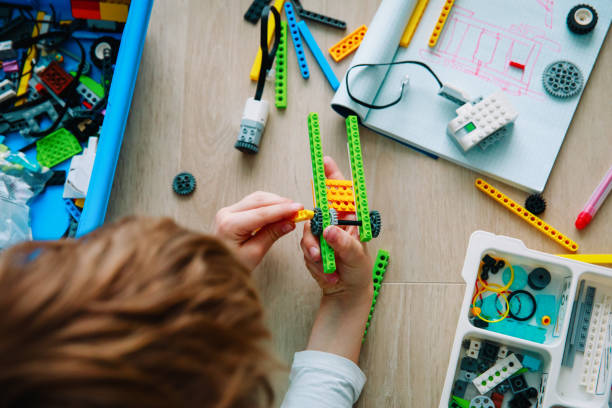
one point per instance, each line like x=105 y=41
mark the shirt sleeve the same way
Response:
x=321 y=380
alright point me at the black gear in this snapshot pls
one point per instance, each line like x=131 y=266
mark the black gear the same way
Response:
x=535 y=204
x=316 y=223
x=376 y=222
x=562 y=79
x=184 y=184
x=582 y=19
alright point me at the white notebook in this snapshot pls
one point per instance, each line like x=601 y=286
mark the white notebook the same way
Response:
x=479 y=40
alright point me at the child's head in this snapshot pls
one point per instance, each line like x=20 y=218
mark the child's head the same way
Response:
x=139 y=313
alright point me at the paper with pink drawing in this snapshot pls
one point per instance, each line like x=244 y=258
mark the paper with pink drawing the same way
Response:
x=473 y=53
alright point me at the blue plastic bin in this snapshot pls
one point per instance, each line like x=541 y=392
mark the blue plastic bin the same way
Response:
x=111 y=135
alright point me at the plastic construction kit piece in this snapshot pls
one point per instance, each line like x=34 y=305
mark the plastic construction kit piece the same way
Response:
x=459 y=388
x=435 y=35
x=72 y=209
x=56 y=78
x=340 y=195
x=281 y=69
x=481 y=401
x=376 y=223
x=581 y=19
x=184 y=184
x=474 y=348
x=562 y=79
x=320 y=190
x=113 y=11
x=253 y=14
x=499 y=372
x=57 y=147
x=316 y=223
x=361 y=196
x=518 y=65
x=535 y=204
x=79 y=174
x=318 y=55
x=319 y=18
x=538 y=279
x=413 y=22
x=303 y=215
x=378 y=274
x=476 y=122
x=458 y=402
x=254 y=118
x=25 y=121
x=297 y=40
x=595 y=349
x=348 y=44
x=7 y=90
x=255 y=68
x=525 y=215
x=584 y=319
x=518 y=329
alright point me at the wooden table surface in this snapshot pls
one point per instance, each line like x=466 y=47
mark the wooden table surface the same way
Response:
x=191 y=90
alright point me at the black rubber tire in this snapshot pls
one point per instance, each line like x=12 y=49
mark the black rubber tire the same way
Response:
x=376 y=223
x=582 y=19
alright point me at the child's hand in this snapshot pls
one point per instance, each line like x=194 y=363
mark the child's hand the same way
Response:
x=353 y=274
x=251 y=226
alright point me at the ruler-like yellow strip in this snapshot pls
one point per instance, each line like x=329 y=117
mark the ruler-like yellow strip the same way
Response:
x=596 y=259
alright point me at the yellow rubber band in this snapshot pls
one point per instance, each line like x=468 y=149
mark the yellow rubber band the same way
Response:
x=501 y=295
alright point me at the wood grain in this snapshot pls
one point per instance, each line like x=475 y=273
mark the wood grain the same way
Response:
x=185 y=115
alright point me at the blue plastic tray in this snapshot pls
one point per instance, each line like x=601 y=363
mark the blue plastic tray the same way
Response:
x=48 y=214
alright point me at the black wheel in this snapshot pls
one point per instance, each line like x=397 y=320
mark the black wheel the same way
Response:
x=582 y=19
x=97 y=50
x=316 y=224
x=376 y=222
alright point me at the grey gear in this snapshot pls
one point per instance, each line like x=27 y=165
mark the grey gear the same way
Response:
x=562 y=79
x=316 y=223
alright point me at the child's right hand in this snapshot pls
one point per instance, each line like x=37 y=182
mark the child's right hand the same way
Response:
x=353 y=276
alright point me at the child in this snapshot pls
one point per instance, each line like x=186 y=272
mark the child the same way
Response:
x=143 y=313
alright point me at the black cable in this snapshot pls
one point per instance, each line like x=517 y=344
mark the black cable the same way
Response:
x=267 y=57
x=369 y=105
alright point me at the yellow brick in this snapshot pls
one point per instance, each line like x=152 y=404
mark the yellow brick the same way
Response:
x=113 y=12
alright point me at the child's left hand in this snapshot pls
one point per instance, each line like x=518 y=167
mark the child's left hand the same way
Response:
x=252 y=225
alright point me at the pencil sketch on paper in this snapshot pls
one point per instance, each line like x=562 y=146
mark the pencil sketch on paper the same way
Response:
x=485 y=50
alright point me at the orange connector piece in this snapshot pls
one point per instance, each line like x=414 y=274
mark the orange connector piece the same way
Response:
x=340 y=195
x=440 y=23
x=303 y=215
x=525 y=215
x=348 y=44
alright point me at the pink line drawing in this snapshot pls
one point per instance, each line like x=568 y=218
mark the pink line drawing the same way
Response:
x=548 y=7
x=485 y=50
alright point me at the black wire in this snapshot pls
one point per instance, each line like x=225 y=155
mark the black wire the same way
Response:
x=383 y=64
x=267 y=57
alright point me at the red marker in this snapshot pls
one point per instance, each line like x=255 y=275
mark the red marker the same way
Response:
x=595 y=201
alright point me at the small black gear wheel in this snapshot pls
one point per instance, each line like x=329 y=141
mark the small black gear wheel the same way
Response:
x=97 y=50
x=184 y=184
x=316 y=223
x=246 y=147
x=582 y=19
x=535 y=204
x=562 y=79
x=376 y=222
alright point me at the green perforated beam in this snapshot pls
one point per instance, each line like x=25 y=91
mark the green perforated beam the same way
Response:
x=378 y=274
x=361 y=196
x=281 y=69
x=320 y=190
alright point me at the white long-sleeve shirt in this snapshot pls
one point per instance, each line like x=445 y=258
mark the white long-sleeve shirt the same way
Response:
x=321 y=380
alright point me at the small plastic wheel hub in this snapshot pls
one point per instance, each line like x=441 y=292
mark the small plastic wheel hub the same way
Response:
x=583 y=16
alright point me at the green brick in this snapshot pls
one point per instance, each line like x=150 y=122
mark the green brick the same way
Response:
x=361 y=196
x=281 y=69
x=378 y=274
x=56 y=147
x=320 y=190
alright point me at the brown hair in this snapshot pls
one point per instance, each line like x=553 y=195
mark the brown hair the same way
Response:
x=142 y=313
